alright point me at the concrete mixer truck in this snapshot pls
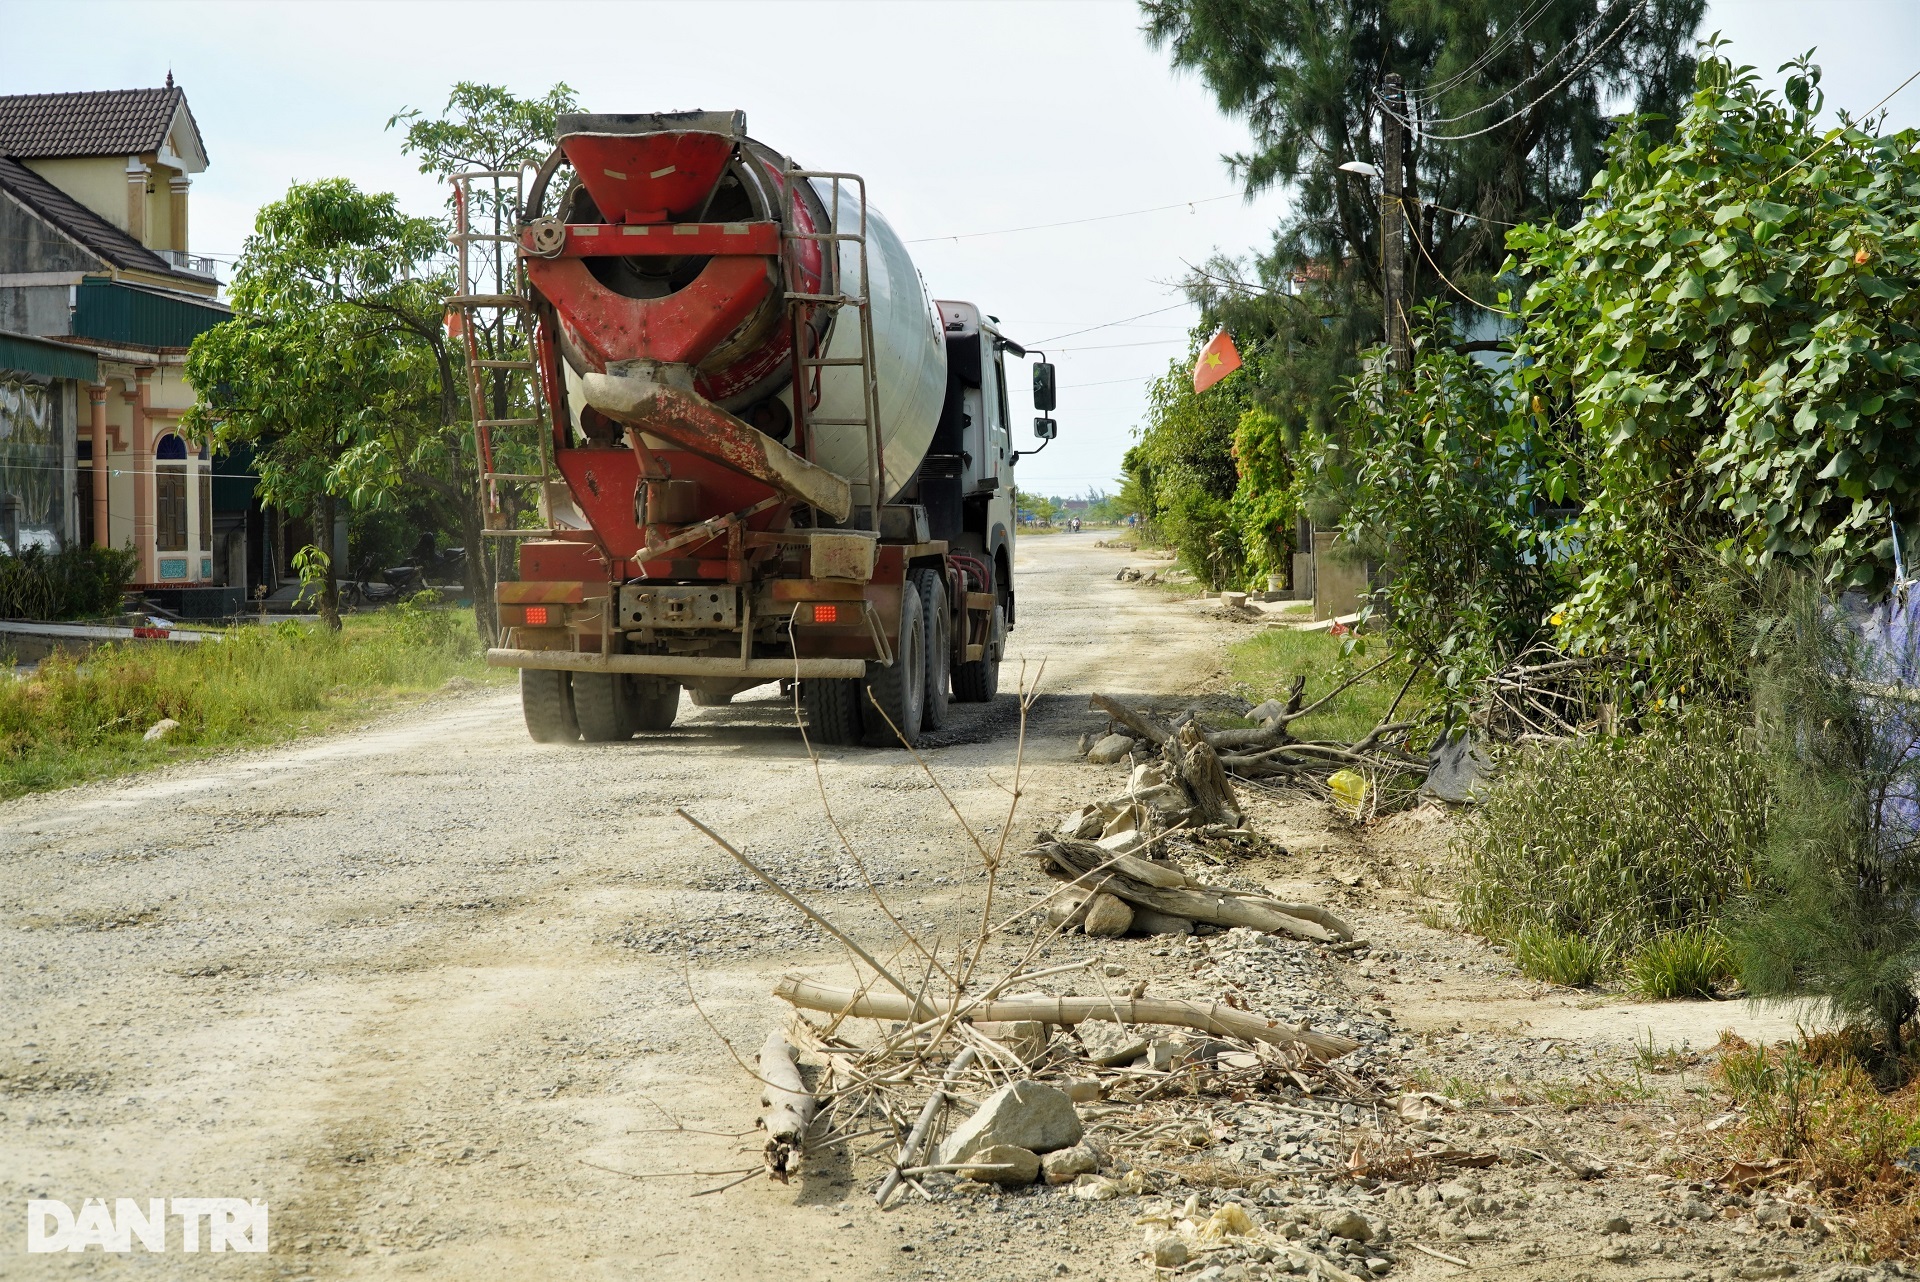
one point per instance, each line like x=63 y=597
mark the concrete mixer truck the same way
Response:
x=759 y=452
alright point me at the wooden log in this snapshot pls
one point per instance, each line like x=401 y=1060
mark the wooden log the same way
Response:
x=789 y=1105
x=1216 y=905
x=1206 y=779
x=1144 y=725
x=1209 y=1017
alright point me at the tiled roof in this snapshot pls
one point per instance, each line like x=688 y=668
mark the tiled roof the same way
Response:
x=77 y=221
x=103 y=122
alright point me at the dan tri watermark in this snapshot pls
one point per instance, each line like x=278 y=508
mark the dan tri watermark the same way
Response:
x=156 y=1223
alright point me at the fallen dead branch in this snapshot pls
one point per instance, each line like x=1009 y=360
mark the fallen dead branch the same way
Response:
x=1207 y=1017
x=1089 y=864
x=790 y=1107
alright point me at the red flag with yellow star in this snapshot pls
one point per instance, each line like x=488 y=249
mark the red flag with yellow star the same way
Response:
x=1218 y=359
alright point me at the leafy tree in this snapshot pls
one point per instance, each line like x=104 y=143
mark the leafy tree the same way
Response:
x=335 y=370
x=1497 y=139
x=1184 y=466
x=487 y=129
x=1730 y=342
x=1444 y=480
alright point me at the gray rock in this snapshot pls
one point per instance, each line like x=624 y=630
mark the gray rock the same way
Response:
x=1108 y=916
x=1695 y=1209
x=1617 y=1224
x=1454 y=1194
x=1169 y=1253
x=1027 y=1114
x=1111 y=1043
x=1115 y=747
x=1003 y=1164
x=1347 y=1223
x=160 y=729
x=1026 y=1038
x=1065 y=1165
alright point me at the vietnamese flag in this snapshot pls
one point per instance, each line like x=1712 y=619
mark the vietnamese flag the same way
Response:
x=1218 y=359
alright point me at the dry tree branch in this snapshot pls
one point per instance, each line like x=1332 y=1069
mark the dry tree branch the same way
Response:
x=795 y=900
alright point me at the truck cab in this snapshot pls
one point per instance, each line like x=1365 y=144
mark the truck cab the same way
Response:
x=966 y=481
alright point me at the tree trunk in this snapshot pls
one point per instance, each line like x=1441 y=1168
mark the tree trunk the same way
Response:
x=486 y=619
x=330 y=580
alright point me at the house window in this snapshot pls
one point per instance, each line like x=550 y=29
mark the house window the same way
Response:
x=170 y=495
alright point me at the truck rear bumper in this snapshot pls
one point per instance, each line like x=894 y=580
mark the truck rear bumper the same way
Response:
x=671 y=665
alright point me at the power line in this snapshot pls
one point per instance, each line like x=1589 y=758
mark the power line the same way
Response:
x=1494 y=50
x=1075 y=333
x=1565 y=80
x=1075 y=222
x=1105 y=347
x=1534 y=75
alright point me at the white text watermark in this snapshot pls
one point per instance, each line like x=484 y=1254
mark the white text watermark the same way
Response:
x=203 y=1224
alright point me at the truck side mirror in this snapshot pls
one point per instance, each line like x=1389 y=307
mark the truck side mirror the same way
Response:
x=1045 y=429
x=1043 y=399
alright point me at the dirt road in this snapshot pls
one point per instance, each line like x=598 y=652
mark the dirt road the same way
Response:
x=421 y=986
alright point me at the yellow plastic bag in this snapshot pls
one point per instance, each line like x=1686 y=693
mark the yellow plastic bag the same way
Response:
x=1349 y=790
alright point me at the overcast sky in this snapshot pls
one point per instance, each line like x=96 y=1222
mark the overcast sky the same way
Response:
x=965 y=118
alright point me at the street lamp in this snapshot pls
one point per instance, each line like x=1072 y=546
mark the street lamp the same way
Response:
x=1360 y=167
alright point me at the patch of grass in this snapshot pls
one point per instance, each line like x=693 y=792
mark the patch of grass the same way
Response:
x=1265 y=664
x=1816 y=1102
x=1682 y=963
x=1568 y=960
x=73 y=720
x=1618 y=841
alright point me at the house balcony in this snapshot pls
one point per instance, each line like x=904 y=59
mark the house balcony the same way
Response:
x=192 y=264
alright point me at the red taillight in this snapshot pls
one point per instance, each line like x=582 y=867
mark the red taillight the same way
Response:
x=826 y=614
x=536 y=616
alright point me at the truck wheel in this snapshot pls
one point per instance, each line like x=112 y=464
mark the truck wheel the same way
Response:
x=602 y=706
x=938 y=630
x=900 y=691
x=979 y=680
x=546 y=701
x=654 y=702
x=833 y=709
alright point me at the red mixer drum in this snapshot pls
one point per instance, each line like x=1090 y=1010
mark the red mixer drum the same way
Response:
x=674 y=250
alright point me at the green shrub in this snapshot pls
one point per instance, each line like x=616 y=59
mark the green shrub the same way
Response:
x=1569 y=960
x=1618 y=840
x=78 y=582
x=1683 y=963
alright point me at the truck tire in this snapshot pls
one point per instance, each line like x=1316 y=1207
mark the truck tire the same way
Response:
x=546 y=701
x=899 y=690
x=938 y=630
x=653 y=703
x=978 y=681
x=602 y=704
x=833 y=709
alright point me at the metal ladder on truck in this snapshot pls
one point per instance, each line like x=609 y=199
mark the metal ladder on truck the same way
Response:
x=802 y=303
x=491 y=297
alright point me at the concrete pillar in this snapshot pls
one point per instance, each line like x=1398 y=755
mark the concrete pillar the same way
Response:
x=143 y=495
x=178 y=185
x=137 y=173
x=97 y=403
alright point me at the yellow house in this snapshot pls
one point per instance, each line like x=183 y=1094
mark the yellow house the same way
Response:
x=100 y=295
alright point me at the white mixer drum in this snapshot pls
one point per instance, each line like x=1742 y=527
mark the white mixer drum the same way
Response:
x=910 y=356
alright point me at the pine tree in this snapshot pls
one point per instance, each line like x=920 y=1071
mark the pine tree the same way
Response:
x=1839 y=918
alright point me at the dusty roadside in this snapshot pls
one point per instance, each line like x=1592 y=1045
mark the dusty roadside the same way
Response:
x=424 y=989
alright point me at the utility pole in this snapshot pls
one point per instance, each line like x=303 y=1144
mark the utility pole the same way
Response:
x=1393 y=223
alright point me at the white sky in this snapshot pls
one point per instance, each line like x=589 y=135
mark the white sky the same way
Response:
x=964 y=118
